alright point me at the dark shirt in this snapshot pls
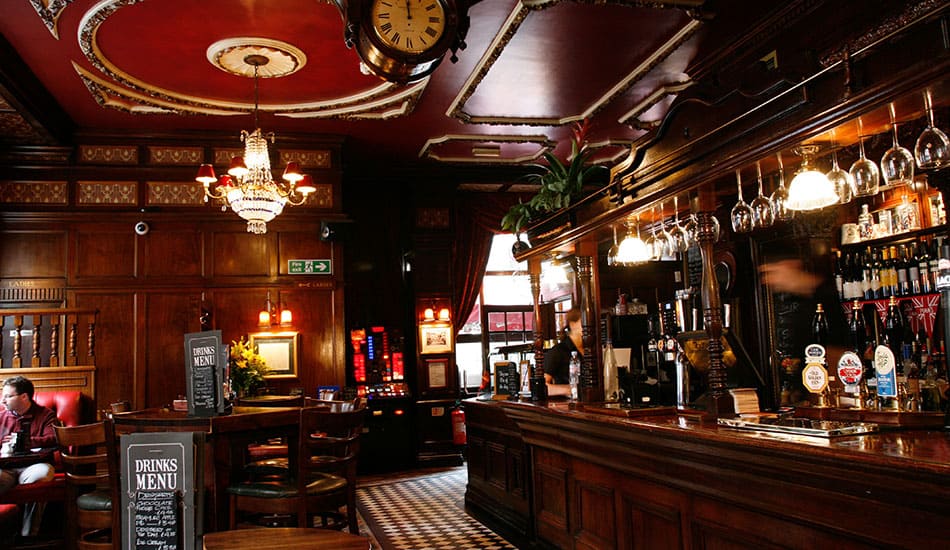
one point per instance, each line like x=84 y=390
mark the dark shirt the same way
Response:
x=557 y=360
x=41 y=425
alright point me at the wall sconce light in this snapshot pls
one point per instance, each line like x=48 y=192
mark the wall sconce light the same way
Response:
x=275 y=314
x=444 y=314
x=429 y=314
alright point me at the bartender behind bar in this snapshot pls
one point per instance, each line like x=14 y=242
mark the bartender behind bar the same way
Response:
x=557 y=359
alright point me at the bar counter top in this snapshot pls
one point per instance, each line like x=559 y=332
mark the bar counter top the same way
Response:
x=916 y=448
x=684 y=478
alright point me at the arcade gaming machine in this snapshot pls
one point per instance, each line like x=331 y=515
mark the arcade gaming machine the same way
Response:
x=378 y=374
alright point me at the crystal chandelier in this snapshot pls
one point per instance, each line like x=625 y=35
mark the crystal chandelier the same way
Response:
x=249 y=188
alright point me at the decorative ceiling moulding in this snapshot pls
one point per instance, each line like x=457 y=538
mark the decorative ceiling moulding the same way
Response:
x=510 y=28
x=177 y=156
x=34 y=192
x=49 y=12
x=633 y=117
x=120 y=90
x=431 y=148
x=15 y=129
x=230 y=55
x=43 y=155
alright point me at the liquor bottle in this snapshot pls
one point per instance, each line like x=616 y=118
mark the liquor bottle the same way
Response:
x=913 y=269
x=865 y=223
x=819 y=326
x=934 y=262
x=840 y=268
x=892 y=271
x=885 y=274
x=575 y=374
x=862 y=273
x=876 y=291
x=856 y=380
x=923 y=266
x=903 y=279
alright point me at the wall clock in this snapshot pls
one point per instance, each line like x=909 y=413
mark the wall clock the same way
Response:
x=405 y=40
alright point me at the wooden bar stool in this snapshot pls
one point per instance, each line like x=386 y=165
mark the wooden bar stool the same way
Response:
x=286 y=538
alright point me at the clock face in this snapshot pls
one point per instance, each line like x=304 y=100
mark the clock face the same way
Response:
x=411 y=26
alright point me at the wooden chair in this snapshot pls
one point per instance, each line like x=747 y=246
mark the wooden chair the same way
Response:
x=91 y=484
x=273 y=448
x=324 y=479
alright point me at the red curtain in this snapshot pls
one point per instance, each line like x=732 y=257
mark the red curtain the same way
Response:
x=477 y=220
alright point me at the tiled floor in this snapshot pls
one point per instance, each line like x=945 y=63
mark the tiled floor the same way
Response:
x=422 y=510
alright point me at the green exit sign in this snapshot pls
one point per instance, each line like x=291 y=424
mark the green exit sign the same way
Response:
x=309 y=267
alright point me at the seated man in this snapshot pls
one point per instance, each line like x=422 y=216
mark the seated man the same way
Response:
x=19 y=412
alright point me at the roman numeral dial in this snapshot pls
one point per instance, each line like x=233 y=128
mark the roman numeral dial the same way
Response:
x=410 y=26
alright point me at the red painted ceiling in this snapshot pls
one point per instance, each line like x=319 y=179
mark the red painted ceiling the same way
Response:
x=530 y=69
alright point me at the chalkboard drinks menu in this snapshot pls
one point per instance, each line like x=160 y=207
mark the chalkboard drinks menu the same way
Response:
x=205 y=359
x=158 y=491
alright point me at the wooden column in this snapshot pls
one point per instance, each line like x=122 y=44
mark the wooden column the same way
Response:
x=534 y=276
x=591 y=385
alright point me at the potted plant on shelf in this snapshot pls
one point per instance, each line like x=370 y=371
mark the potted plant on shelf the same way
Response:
x=560 y=183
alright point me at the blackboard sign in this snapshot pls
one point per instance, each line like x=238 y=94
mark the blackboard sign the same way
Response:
x=158 y=491
x=205 y=373
x=507 y=379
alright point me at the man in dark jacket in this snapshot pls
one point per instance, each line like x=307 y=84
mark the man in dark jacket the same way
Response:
x=20 y=415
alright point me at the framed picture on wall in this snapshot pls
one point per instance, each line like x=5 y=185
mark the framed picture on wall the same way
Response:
x=437 y=373
x=279 y=350
x=435 y=339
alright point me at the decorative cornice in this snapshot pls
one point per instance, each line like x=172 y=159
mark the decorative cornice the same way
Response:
x=429 y=148
x=882 y=29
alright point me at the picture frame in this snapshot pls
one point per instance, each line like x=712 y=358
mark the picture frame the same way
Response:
x=435 y=339
x=437 y=373
x=279 y=350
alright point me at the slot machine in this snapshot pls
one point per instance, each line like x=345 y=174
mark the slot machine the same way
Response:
x=377 y=372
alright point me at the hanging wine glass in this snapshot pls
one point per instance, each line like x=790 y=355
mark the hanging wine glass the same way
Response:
x=666 y=243
x=612 y=253
x=678 y=235
x=897 y=164
x=864 y=173
x=932 y=150
x=842 y=180
x=762 y=214
x=780 y=196
x=654 y=248
x=741 y=213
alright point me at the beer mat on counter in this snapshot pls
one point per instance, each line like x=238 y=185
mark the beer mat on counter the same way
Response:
x=424 y=513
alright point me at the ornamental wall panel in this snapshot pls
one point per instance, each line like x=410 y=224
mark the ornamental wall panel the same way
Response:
x=34 y=192
x=120 y=193
x=307 y=159
x=108 y=154
x=174 y=193
x=178 y=156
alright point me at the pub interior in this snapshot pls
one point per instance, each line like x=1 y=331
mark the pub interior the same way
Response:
x=747 y=199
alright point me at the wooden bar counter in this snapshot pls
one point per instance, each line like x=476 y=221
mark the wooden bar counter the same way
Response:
x=591 y=480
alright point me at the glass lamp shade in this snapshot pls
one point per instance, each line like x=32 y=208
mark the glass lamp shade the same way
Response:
x=428 y=314
x=444 y=314
x=237 y=167
x=286 y=317
x=632 y=250
x=810 y=190
x=306 y=186
x=292 y=172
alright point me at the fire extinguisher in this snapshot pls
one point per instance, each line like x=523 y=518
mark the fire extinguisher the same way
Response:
x=458 y=426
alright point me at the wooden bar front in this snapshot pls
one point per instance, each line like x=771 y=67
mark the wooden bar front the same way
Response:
x=674 y=481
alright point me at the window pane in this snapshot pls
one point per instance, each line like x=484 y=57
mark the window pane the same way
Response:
x=515 y=320
x=506 y=290
x=500 y=258
x=496 y=321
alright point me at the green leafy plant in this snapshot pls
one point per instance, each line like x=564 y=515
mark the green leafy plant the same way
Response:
x=247 y=367
x=560 y=183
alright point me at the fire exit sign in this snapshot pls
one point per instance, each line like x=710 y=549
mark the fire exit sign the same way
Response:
x=309 y=267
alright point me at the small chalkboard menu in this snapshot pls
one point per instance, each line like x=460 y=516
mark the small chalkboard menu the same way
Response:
x=158 y=491
x=507 y=380
x=204 y=369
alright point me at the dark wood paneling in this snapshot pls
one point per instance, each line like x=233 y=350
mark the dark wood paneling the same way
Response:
x=235 y=254
x=172 y=253
x=169 y=316
x=551 y=498
x=116 y=343
x=32 y=254
x=105 y=253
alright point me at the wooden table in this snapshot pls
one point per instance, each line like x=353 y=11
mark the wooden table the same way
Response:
x=292 y=538
x=22 y=460
x=227 y=440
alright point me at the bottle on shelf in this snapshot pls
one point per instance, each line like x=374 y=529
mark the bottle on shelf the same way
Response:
x=574 y=374
x=877 y=285
x=923 y=268
x=892 y=272
x=819 y=326
x=913 y=269
x=865 y=223
x=902 y=267
x=841 y=268
x=611 y=384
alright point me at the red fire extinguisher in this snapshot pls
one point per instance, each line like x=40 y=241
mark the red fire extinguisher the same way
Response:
x=458 y=426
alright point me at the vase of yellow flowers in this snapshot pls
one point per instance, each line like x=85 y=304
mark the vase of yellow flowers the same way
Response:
x=247 y=368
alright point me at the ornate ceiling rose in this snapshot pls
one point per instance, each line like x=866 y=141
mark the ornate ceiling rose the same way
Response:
x=231 y=54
